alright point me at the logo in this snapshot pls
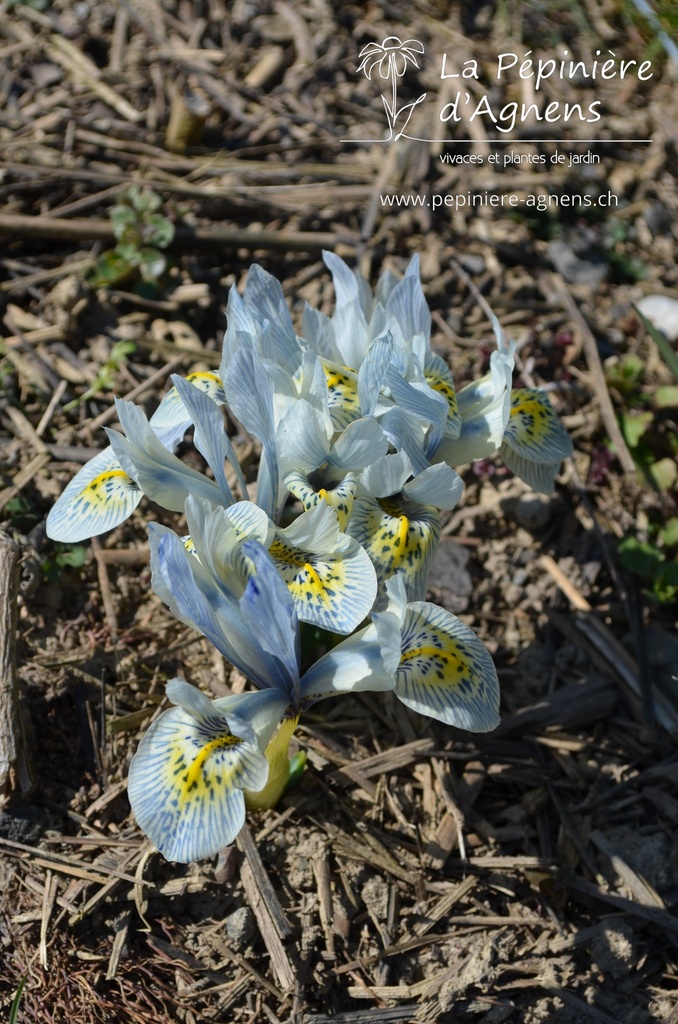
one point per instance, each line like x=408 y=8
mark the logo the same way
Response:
x=389 y=60
x=489 y=101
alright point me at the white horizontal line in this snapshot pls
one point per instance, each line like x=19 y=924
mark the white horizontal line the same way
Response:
x=513 y=142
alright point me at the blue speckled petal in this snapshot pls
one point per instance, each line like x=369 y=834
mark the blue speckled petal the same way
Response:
x=446 y=671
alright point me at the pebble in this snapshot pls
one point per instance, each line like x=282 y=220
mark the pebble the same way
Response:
x=473 y=264
x=531 y=511
x=658 y=218
x=575 y=270
x=614 y=948
x=240 y=926
x=662 y=312
x=21 y=825
x=448 y=569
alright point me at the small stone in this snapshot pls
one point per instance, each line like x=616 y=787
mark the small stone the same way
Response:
x=21 y=825
x=375 y=896
x=614 y=948
x=448 y=569
x=574 y=269
x=658 y=218
x=473 y=264
x=662 y=312
x=240 y=926
x=531 y=511
x=499 y=1013
x=227 y=864
x=648 y=855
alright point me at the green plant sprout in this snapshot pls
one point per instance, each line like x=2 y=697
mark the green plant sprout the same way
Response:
x=16 y=1002
x=651 y=563
x=142 y=232
x=666 y=352
x=654 y=562
x=653 y=448
x=66 y=556
x=105 y=378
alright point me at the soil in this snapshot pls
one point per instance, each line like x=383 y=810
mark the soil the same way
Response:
x=416 y=873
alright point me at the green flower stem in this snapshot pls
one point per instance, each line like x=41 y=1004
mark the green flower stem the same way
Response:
x=278 y=770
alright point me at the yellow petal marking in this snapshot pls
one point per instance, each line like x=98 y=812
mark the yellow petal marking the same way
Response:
x=195 y=782
x=98 y=491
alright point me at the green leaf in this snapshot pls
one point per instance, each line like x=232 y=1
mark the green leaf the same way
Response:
x=669 y=575
x=16 y=1002
x=135 y=197
x=664 y=473
x=147 y=202
x=662 y=343
x=17 y=506
x=73 y=557
x=104 y=381
x=297 y=764
x=632 y=367
x=634 y=425
x=158 y=231
x=109 y=269
x=641 y=557
x=122 y=219
x=666 y=397
x=128 y=250
x=152 y=264
x=120 y=350
x=669 y=533
x=665 y=584
x=65 y=557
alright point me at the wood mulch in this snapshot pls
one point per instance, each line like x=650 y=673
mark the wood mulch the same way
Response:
x=416 y=873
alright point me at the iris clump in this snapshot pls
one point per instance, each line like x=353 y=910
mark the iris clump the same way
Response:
x=360 y=428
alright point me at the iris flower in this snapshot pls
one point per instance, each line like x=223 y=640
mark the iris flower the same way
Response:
x=189 y=777
x=397 y=520
x=102 y=495
x=186 y=780
x=535 y=441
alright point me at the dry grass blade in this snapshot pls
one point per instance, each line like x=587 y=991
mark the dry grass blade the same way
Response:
x=388 y=761
x=47 y=907
x=608 y=652
x=273 y=924
x=17 y=778
x=654 y=915
x=66 y=229
x=597 y=375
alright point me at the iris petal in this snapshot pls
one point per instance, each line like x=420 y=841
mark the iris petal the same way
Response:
x=484 y=406
x=186 y=781
x=171 y=413
x=197 y=598
x=340 y=497
x=265 y=299
x=365 y=661
x=328 y=574
x=399 y=536
x=159 y=473
x=98 y=498
x=249 y=390
x=438 y=376
x=343 y=398
x=445 y=670
x=533 y=430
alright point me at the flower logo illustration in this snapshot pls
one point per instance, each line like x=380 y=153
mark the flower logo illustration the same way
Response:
x=390 y=59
